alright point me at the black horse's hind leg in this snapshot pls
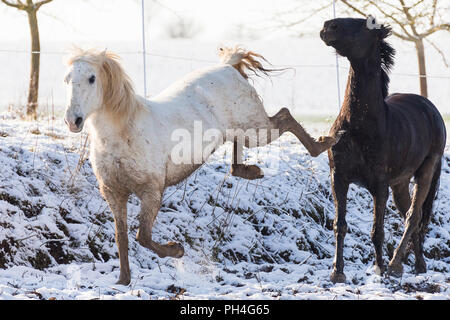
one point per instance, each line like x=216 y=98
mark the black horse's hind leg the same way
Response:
x=427 y=209
x=424 y=177
x=402 y=197
x=380 y=197
x=402 y=200
x=340 y=189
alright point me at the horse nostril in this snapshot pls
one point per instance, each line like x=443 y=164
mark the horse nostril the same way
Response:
x=78 y=122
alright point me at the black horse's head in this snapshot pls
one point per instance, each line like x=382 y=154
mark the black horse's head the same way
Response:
x=354 y=38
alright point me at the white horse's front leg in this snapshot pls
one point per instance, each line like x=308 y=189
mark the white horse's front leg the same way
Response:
x=150 y=205
x=284 y=122
x=118 y=203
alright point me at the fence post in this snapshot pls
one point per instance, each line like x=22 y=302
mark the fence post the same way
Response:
x=337 y=64
x=144 y=49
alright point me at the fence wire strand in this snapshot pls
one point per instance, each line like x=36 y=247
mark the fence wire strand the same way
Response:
x=193 y=59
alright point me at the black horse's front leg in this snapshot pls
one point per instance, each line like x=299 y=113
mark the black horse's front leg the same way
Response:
x=340 y=189
x=380 y=196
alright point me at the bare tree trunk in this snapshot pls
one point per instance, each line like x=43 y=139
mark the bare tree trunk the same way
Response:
x=422 y=67
x=35 y=61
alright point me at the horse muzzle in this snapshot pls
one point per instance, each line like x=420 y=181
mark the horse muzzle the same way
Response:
x=328 y=36
x=329 y=32
x=75 y=125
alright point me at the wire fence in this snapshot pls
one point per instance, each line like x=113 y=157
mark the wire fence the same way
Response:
x=193 y=59
x=306 y=90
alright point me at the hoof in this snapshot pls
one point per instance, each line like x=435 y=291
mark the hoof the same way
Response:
x=251 y=172
x=379 y=270
x=421 y=266
x=176 y=250
x=395 y=270
x=338 y=277
x=124 y=281
x=327 y=142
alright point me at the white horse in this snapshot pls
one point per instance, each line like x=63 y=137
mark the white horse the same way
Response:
x=131 y=145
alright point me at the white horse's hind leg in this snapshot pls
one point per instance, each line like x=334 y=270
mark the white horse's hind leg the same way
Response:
x=277 y=125
x=284 y=122
x=150 y=205
x=238 y=169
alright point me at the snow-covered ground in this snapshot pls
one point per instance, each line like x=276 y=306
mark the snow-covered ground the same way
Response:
x=270 y=239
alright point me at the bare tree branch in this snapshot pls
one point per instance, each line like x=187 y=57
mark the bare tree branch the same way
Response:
x=389 y=4
x=399 y=35
x=407 y=36
x=391 y=16
x=19 y=5
x=438 y=50
x=433 y=14
x=416 y=4
x=410 y=18
x=441 y=27
x=309 y=16
x=30 y=6
x=41 y=3
x=353 y=8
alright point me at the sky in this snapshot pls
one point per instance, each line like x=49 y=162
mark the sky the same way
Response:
x=120 y=20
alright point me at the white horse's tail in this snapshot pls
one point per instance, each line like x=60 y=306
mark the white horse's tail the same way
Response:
x=243 y=60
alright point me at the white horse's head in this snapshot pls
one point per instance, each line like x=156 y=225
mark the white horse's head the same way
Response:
x=95 y=81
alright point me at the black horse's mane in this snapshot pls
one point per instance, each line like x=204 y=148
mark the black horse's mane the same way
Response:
x=387 y=53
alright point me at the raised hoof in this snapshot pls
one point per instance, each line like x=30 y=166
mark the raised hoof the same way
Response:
x=395 y=270
x=248 y=172
x=177 y=249
x=327 y=143
x=173 y=250
x=338 y=277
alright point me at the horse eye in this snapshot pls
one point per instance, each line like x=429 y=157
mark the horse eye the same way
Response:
x=92 y=80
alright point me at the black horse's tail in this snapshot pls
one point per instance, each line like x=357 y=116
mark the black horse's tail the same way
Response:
x=427 y=207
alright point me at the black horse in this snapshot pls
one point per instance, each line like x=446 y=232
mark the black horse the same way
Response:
x=387 y=141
